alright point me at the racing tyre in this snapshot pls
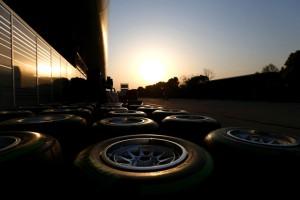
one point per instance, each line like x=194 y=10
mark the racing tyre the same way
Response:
x=159 y=115
x=70 y=130
x=133 y=106
x=149 y=110
x=10 y=114
x=142 y=165
x=191 y=127
x=135 y=102
x=112 y=104
x=28 y=158
x=102 y=112
x=127 y=113
x=36 y=109
x=119 y=126
x=245 y=156
x=81 y=112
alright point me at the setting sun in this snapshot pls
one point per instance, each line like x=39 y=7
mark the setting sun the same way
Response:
x=152 y=71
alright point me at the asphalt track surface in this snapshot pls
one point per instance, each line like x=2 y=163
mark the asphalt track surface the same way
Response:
x=267 y=116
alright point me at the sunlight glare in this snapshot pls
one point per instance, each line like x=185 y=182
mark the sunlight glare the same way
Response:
x=152 y=71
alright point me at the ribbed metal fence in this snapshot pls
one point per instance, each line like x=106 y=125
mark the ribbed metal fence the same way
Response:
x=29 y=66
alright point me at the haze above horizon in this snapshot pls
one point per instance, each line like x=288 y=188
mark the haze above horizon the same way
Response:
x=151 y=41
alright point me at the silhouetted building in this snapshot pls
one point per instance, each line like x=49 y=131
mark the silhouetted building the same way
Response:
x=67 y=40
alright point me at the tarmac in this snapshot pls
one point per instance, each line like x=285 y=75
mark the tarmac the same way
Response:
x=266 y=116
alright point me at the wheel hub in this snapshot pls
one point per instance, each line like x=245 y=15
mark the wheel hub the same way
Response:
x=144 y=154
x=263 y=138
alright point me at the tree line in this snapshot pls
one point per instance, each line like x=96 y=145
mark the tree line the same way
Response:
x=270 y=84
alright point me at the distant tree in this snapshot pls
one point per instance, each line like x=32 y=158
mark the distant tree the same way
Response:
x=269 y=68
x=140 y=88
x=172 y=87
x=293 y=62
x=155 y=90
x=173 y=82
x=291 y=73
x=141 y=91
x=182 y=81
x=191 y=86
x=196 y=80
x=208 y=73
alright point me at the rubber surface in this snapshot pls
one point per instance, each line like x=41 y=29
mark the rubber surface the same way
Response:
x=188 y=176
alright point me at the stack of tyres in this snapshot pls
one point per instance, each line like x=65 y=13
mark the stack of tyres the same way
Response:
x=134 y=102
x=11 y=114
x=112 y=104
x=69 y=106
x=88 y=107
x=149 y=109
x=159 y=115
x=81 y=112
x=85 y=106
x=70 y=130
x=36 y=109
x=119 y=126
x=144 y=165
x=29 y=163
x=75 y=106
x=189 y=126
x=254 y=160
x=102 y=111
x=133 y=106
x=93 y=104
x=127 y=113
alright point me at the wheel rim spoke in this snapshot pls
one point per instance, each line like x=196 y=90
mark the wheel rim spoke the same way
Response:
x=262 y=138
x=145 y=155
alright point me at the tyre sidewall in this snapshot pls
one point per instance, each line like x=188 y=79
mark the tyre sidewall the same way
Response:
x=191 y=172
